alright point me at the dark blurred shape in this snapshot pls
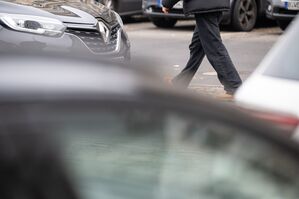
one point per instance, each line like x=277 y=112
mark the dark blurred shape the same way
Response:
x=30 y=167
x=122 y=134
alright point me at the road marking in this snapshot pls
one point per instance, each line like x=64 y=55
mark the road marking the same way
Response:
x=210 y=74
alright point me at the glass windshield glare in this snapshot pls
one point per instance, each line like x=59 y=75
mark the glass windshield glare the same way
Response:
x=136 y=154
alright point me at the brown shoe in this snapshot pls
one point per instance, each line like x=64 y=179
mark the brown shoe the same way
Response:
x=225 y=96
x=168 y=81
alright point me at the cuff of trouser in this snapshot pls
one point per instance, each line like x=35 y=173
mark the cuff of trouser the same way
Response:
x=230 y=91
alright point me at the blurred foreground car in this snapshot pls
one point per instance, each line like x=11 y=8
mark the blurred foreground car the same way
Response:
x=31 y=166
x=82 y=27
x=283 y=11
x=242 y=16
x=124 y=7
x=273 y=89
x=124 y=135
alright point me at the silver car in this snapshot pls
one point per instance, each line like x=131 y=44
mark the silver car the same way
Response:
x=283 y=11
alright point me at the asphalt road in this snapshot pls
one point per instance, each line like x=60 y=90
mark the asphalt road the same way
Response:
x=166 y=50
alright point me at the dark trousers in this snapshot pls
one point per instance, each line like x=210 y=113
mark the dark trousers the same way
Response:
x=207 y=41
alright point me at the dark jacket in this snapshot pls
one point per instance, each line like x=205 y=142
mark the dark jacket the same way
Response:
x=200 y=6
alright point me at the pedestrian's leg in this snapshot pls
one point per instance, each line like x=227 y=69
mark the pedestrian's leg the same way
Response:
x=196 y=56
x=216 y=52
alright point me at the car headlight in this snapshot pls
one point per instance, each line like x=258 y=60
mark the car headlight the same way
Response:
x=119 y=20
x=33 y=24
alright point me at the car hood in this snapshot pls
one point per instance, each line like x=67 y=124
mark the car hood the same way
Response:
x=71 y=11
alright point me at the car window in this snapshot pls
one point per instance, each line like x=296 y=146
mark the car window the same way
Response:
x=286 y=63
x=130 y=154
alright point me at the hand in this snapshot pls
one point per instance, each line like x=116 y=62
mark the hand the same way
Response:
x=165 y=10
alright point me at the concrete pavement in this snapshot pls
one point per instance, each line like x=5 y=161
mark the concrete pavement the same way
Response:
x=166 y=50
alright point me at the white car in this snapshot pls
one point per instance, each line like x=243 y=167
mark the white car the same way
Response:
x=272 y=91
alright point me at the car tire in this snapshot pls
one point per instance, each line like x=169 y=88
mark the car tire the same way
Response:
x=283 y=24
x=244 y=15
x=163 y=22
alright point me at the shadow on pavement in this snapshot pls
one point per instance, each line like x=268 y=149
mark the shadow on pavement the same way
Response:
x=265 y=23
x=135 y=19
x=184 y=27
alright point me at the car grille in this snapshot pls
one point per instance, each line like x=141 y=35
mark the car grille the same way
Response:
x=94 y=41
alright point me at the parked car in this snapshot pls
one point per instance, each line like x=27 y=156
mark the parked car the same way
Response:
x=124 y=7
x=123 y=134
x=273 y=89
x=282 y=11
x=242 y=17
x=82 y=27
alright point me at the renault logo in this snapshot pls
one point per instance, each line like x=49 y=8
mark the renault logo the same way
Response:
x=104 y=31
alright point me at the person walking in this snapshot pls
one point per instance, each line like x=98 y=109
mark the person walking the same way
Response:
x=206 y=41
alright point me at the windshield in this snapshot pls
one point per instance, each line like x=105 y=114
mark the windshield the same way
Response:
x=53 y=6
x=133 y=154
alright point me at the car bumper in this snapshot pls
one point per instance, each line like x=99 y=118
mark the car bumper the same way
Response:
x=152 y=9
x=276 y=10
x=68 y=43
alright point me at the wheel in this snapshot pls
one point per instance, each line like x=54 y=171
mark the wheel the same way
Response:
x=163 y=22
x=283 y=24
x=244 y=15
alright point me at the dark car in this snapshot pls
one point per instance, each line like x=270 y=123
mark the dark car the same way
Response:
x=74 y=26
x=242 y=16
x=124 y=135
x=282 y=11
x=124 y=7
